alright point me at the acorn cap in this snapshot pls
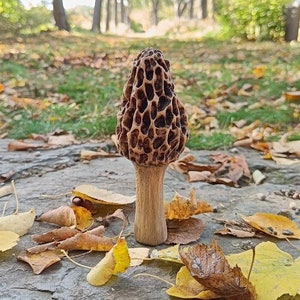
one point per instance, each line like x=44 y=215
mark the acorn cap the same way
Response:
x=152 y=123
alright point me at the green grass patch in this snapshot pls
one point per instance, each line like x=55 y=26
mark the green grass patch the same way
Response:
x=83 y=98
x=210 y=141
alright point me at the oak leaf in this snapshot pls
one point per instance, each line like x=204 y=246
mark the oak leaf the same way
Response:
x=208 y=265
x=275 y=225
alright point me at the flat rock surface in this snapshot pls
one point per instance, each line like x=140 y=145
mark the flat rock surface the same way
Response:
x=44 y=180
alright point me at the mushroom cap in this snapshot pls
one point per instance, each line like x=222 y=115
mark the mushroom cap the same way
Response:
x=152 y=123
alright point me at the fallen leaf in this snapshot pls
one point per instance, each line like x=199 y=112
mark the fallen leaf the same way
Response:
x=61 y=216
x=25 y=102
x=258 y=177
x=184 y=231
x=8 y=240
x=236 y=232
x=182 y=208
x=40 y=261
x=187 y=287
x=274 y=272
x=274 y=225
x=117 y=260
x=6 y=190
x=89 y=154
x=19 y=223
x=58 y=234
x=138 y=255
x=94 y=194
x=21 y=146
x=167 y=254
x=62 y=140
x=292 y=95
x=86 y=241
x=259 y=71
x=83 y=217
x=208 y=265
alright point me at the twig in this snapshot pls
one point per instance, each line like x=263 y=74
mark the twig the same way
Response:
x=4 y=208
x=55 y=196
x=295 y=247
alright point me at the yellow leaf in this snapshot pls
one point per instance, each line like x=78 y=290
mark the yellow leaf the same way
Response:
x=137 y=255
x=83 y=216
x=1 y=88
x=116 y=261
x=121 y=256
x=188 y=288
x=168 y=254
x=19 y=223
x=274 y=272
x=183 y=208
x=8 y=240
x=259 y=71
x=274 y=225
x=94 y=194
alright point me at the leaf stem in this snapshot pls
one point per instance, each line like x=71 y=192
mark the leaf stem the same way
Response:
x=252 y=263
x=73 y=261
x=154 y=276
x=16 y=197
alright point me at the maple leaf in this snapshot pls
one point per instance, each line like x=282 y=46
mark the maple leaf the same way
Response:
x=182 y=208
x=209 y=267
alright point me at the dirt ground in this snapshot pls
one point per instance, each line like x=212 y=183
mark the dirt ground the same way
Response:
x=40 y=174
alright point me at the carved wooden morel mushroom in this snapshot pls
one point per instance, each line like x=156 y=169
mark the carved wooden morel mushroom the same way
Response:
x=151 y=132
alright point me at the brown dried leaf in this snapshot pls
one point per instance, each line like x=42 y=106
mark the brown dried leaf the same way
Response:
x=20 y=146
x=89 y=154
x=86 y=241
x=208 y=265
x=61 y=140
x=40 y=261
x=99 y=231
x=55 y=235
x=184 y=231
x=62 y=216
x=240 y=233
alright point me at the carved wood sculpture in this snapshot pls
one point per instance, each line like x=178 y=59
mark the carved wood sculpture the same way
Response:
x=151 y=132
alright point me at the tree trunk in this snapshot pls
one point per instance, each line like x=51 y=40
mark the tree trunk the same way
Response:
x=123 y=12
x=191 y=10
x=155 y=6
x=97 y=16
x=116 y=13
x=181 y=6
x=107 y=15
x=204 y=9
x=59 y=15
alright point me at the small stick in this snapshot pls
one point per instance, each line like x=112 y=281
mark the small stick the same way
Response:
x=252 y=263
x=16 y=197
x=154 y=276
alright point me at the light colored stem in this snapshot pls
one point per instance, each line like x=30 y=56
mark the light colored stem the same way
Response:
x=150 y=224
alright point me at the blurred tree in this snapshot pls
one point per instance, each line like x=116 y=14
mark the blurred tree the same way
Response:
x=155 y=8
x=59 y=15
x=204 y=13
x=96 y=27
x=11 y=15
x=108 y=15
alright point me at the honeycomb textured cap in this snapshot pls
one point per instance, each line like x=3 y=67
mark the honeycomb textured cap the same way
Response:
x=152 y=123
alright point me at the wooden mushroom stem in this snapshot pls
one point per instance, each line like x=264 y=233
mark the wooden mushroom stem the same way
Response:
x=150 y=224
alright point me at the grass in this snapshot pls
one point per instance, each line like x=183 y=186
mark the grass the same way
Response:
x=80 y=77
